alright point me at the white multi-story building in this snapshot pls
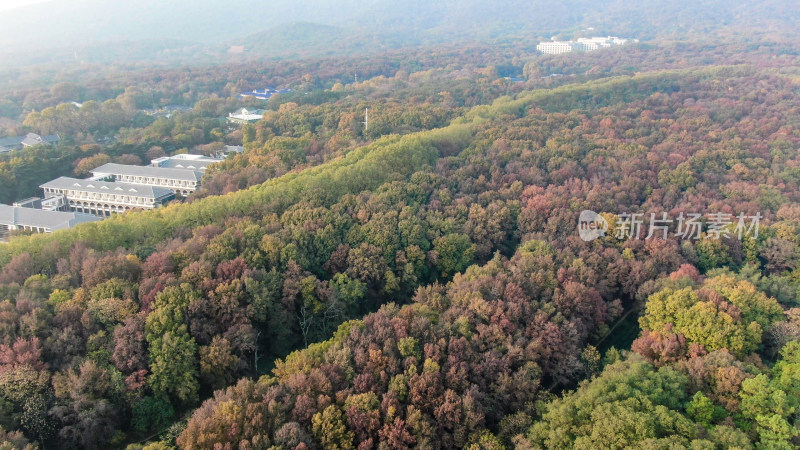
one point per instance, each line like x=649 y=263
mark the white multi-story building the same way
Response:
x=581 y=45
x=555 y=47
x=104 y=198
x=181 y=181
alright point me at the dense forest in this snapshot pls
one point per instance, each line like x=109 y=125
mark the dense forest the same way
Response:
x=420 y=282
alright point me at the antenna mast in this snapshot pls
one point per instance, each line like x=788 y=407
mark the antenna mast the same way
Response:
x=366 y=119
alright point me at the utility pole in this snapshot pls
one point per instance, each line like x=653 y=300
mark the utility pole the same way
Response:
x=366 y=119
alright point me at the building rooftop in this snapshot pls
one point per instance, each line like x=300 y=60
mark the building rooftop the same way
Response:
x=184 y=161
x=107 y=187
x=30 y=139
x=190 y=157
x=16 y=216
x=263 y=94
x=186 y=164
x=31 y=202
x=175 y=173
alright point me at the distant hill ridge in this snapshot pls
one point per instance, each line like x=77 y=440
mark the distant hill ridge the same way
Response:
x=283 y=27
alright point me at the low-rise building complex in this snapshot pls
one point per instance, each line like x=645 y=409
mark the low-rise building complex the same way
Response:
x=115 y=188
x=104 y=198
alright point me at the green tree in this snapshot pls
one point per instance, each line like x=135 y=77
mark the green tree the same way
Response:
x=732 y=317
x=173 y=352
x=150 y=413
x=629 y=403
x=218 y=364
x=769 y=408
x=330 y=431
x=248 y=133
x=173 y=362
x=701 y=409
x=454 y=253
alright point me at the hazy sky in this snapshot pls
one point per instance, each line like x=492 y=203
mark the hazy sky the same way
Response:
x=10 y=4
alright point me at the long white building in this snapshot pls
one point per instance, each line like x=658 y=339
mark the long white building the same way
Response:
x=181 y=181
x=555 y=47
x=581 y=45
x=37 y=220
x=104 y=198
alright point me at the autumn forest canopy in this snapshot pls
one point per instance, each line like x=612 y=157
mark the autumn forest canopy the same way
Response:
x=421 y=281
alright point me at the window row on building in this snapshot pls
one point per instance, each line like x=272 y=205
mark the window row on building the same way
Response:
x=181 y=181
x=104 y=198
x=580 y=45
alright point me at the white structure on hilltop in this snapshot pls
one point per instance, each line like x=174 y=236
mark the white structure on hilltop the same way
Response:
x=245 y=115
x=581 y=45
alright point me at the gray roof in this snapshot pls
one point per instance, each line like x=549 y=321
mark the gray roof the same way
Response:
x=148 y=171
x=34 y=139
x=106 y=187
x=51 y=220
x=186 y=164
x=30 y=139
